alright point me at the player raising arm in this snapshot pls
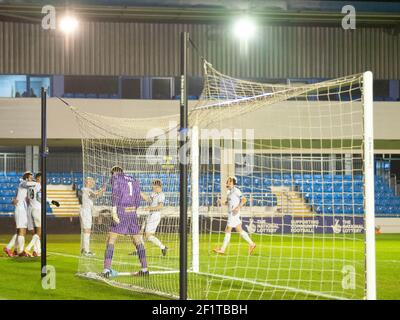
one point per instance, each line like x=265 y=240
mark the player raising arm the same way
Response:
x=235 y=201
x=156 y=200
x=125 y=201
x=88 y=195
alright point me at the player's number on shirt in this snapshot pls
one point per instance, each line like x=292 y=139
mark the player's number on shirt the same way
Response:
x=130 y=188
x=31 y=194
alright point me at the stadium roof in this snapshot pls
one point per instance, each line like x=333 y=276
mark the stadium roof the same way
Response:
x=272 y=11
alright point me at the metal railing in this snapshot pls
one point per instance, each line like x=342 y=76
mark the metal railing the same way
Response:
x=12 y=162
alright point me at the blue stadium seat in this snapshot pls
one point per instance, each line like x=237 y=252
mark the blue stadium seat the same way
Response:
x=338 y=209
x=358 y=209
x=348 y=209
x=5 y=200
x=66 y=181
x=55 y=180
x=257 y=182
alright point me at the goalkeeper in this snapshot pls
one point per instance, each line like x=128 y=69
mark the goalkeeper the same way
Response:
x=235 y=201
x=125 y=200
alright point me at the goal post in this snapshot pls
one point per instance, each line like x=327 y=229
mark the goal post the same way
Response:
x=302 y=157
x=369 y=185
x=194 y=150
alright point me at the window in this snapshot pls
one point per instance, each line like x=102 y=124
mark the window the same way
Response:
x=13 y=86
x=381 y=89
x=131 y=88
x=195 y=87
x=36 y=84
x=161 y=88
x=92 y=85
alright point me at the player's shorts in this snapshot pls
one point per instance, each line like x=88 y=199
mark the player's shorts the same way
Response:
x=128 y=223
x=21 y=217
x=34 y=218
x=30 y=219
x=86 y=218
x=36 y=215
x=234 y=220
x=152 y=222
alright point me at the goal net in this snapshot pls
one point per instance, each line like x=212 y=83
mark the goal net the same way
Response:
x=299 y=156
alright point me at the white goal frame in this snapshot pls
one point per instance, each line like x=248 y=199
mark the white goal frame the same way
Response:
x=369 y=194
x=369 y=186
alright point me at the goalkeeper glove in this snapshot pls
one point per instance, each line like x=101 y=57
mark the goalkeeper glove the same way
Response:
x=56 y=203
x=115 y=215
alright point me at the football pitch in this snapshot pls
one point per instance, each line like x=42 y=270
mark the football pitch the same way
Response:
x=21 y=276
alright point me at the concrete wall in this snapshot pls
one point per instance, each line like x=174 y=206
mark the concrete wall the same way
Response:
x=20 y=119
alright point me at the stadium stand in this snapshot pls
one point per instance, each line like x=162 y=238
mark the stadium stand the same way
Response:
x=324 y=194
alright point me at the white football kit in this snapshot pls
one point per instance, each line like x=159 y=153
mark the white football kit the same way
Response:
x=35 y=206
x=21 y=208
x=234 y=196
x=154 y=217
x=86 y=208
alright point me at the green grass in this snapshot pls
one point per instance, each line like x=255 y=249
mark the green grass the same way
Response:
x=310 y=263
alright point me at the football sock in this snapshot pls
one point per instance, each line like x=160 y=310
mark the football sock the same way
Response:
x=227 y=238
x=21 y=244
x=142 y=255
x=156 y=241
x=32 y=243
x=108 y=255
x=82 y=240
x=246 y=237
x=37 y=247
x=86 y=242
x=12 y=242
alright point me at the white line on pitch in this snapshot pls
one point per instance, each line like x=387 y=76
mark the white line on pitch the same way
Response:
x=101 y=260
